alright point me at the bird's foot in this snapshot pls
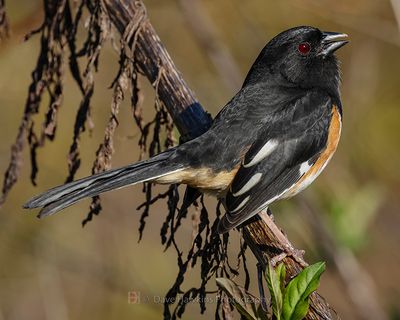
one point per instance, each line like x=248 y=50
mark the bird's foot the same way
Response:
x=295 y=254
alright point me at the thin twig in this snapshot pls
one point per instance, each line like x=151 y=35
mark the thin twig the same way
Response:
x=396 y=11
x=358 y=283
x=371 y=27
x=206 y=34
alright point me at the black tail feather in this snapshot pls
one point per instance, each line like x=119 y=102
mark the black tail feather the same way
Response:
x=66 y=195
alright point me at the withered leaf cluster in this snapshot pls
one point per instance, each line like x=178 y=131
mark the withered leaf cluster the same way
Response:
x=59 y=54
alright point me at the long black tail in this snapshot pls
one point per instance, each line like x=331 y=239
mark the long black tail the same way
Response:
x=66 y=195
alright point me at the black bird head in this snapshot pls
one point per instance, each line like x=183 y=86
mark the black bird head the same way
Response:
x=301 y=57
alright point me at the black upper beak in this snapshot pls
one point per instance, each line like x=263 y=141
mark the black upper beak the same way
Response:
x=332 y=41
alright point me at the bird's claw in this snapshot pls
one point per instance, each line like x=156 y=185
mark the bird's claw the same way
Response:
x=295 y=254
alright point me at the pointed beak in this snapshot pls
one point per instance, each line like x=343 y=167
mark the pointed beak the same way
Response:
x=332 y=41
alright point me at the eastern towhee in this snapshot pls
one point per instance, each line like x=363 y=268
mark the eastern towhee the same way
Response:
x=269 y=142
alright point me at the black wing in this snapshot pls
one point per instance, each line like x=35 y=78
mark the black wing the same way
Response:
x=282 y=153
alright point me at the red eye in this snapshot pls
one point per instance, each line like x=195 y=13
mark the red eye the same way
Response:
x=304 y=48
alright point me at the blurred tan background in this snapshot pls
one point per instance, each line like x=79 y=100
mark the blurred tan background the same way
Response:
x=55 y=269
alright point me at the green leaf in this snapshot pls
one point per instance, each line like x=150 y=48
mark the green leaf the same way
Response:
x=281 y=272
x=275 y=286
x=244 y=302
x=296 y=296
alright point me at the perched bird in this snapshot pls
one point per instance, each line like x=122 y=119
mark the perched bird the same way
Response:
x=269 y=142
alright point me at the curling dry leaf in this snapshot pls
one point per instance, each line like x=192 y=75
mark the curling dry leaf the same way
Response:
x=244 y=302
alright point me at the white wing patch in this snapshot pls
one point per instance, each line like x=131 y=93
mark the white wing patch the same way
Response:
x=265 y=151
x=260 y=208
x=310 y=179
x=241 y=205
x=249 y=184
x=304 y=167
